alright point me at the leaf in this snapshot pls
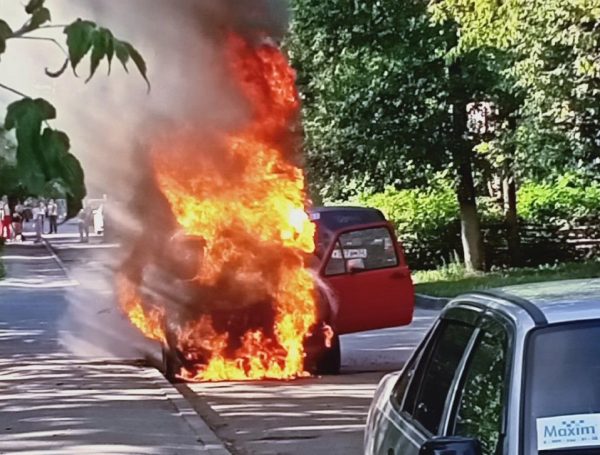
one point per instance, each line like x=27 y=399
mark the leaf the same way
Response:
x=5 y=30
x=109 y=40
x=80 y=37
x=5 y=33
x=34 y=5
x=139 y=61
x=39 y=17
x=27 y=116
x=122 y=54
x=98 y=53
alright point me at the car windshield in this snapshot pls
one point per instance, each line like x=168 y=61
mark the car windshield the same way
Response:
x=562 y=392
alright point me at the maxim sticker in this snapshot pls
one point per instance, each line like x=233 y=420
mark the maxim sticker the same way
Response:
x=562 y=432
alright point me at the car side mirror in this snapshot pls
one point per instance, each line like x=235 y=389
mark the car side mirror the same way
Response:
x=451 y=446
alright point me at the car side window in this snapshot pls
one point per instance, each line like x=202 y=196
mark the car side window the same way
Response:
x=401 y=387
x=336 y=264
x=482 y=398
x=433 y=378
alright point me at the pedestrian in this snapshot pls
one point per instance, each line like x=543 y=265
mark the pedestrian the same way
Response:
x=53 y=216
x=17 y=220
x=5 y=219
x=85 y=219
x=42 y=214
x=38 y=213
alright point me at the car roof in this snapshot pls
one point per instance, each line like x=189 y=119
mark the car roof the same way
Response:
x=554 y=301
x=342 y=208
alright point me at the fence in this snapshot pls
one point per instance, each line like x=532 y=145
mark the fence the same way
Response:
x=538 y=245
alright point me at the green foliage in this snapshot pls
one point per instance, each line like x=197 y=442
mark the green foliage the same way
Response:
x=44 y=164
x=426 y=221
x=85 y=36
x=43 y=156
x=375 y=86
x=553 y=70
x=563 y=201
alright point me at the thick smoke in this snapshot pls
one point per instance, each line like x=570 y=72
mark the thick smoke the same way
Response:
x=113 y=120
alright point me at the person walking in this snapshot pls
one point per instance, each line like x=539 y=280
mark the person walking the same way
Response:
x=38 y=214
x=85 y=219
x=53 y=216
x=5 y=219
x=17 y=219
x=43 y=212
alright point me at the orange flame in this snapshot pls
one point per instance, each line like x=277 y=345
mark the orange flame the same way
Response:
x=247 y=203
x=151 y=322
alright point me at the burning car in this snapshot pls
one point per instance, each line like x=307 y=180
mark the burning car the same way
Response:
x=248 y=284
x=363 y=283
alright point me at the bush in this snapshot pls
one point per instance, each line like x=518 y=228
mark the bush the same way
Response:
x=427 y=221
x=563 y=201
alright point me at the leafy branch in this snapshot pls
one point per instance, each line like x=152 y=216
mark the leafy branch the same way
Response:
x=44 y=160
x=82 y=38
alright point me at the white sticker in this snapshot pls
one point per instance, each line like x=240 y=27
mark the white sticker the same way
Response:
x=350 y=254
x=315 y=216
x=563 y=432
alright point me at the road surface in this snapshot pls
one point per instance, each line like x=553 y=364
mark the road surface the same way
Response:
x=312 y=416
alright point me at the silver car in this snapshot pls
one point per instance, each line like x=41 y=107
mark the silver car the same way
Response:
x=511 y=372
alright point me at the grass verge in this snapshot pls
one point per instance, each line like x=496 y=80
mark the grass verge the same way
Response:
x=453 y=279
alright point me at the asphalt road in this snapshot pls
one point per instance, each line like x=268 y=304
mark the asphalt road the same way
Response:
x=313 y=416
x=323 y=415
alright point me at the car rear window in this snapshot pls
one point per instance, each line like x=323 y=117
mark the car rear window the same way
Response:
x=329 y=221
x=562 y=390
x=332 y=220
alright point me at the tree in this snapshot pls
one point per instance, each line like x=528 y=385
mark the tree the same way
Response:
x=43 y=157
x=385 y=102
x=548 y=57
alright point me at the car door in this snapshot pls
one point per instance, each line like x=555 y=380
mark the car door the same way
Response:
x=365 y=269
x=480 y=405
x=417 y=405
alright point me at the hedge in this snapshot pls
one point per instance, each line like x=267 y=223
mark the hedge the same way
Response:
x=428 y=223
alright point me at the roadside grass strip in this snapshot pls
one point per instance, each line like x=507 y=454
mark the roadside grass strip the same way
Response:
x=454 y=280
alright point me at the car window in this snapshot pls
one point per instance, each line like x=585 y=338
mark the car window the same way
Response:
x=428 y=391
x=336 y=264
x=401 y=387
x=562 y=374
x=365 y=249
x=481 y=399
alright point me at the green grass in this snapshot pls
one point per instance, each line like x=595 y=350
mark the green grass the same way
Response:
x=452 y=279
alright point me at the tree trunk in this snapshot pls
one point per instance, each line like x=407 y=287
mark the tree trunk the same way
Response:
x=511 y=219
x=462 y=153
x=509 y=190
x=471 y=237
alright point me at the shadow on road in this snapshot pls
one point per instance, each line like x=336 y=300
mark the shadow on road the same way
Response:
x=310 y=416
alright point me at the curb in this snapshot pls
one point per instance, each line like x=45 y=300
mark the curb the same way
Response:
x=59 y=261
x=210 y=441
x=427 y=302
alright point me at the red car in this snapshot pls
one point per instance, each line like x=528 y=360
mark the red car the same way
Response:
x=367 y=282
x=363 y=281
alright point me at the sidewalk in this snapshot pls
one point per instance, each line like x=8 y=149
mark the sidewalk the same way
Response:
x=55 y=402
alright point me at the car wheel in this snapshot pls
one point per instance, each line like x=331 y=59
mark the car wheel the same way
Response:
x=320 y=359
x=330 y=361
x=170 y=364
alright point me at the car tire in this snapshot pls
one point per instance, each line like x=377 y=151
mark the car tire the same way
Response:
x=322 y=360
x=170 y=364
x=330 y=361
